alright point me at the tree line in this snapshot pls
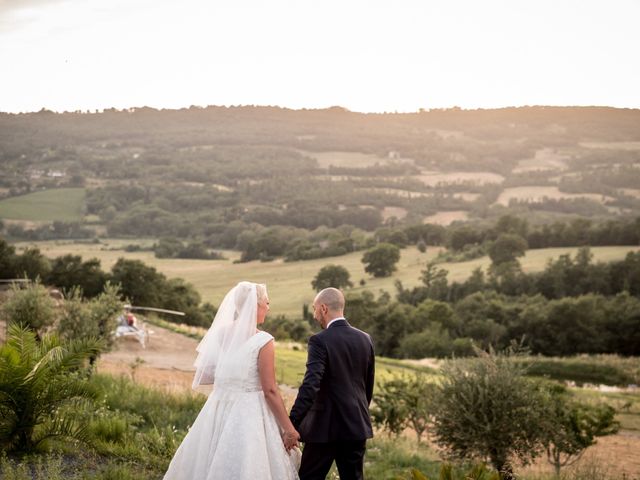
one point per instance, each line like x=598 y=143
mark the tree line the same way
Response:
x=137 y=283
x=573 y=306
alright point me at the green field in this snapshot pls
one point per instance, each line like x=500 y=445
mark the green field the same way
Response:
x=289 y=283
x=57 y=204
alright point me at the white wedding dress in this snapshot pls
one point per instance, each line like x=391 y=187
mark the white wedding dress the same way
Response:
x=235 y=435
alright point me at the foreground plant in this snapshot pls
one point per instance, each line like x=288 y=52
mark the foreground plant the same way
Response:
x=487 y=409
x=40 y=383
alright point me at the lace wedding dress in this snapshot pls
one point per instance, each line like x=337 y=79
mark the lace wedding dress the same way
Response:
x=235 y=435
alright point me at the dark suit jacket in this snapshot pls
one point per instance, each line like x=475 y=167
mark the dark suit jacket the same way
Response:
x=333 y=400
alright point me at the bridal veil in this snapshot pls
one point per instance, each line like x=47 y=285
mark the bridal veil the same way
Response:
x=233 y=325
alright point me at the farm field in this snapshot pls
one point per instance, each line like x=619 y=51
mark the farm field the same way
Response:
x=544 y=159
x=289 y=283
x=537 y=194
x=56 y=204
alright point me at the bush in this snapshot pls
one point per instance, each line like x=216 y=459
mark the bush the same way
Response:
x=487 y=408
x=30 y=306
x=404 y=402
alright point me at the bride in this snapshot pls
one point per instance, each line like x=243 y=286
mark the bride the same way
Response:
x=243 y=430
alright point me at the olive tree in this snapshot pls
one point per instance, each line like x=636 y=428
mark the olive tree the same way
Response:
x=487 y=409
x=30 y=306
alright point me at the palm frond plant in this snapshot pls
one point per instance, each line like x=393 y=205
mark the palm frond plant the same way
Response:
x=41 y=382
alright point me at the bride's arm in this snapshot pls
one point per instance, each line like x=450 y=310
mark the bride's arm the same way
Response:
x=266 y=367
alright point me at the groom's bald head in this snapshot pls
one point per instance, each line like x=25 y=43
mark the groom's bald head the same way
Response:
x=332 y=298
x=328 y=304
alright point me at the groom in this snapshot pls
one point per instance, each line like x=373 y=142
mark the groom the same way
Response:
x=331 y=411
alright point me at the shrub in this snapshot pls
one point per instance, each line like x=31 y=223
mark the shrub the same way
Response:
x=487 y=408
x=30 y=306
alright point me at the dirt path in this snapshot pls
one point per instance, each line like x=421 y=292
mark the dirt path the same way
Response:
x=166 y=362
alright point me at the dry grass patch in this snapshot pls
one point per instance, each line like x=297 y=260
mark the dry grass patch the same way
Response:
x=398 y=212
x=544 y=159
x=447 y=218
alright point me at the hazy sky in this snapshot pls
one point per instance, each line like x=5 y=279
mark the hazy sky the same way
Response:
x=371 y=55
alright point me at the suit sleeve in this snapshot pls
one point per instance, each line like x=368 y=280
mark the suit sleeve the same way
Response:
x=316 y=365
x=371 y=373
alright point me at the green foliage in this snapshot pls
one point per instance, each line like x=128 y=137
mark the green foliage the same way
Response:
x=573 y=427
x=487 y=408
x=507 y=248
x=395 y=458
x=434 y=280
x=595 y=370
x=402 y=402
x=31 y=264
x=140 y=283
x=145 y=286
x=93 y=318
x=30 y=306
x=284 y=328
x=37 y=381
x=335 y=276
x=173 y=248
x=69 y=271
x=154 y=407
x=380 y=261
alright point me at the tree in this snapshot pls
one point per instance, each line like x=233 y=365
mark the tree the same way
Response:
x=31 y=264
x=335 y=276
x=7 y=259
x=435 y=281
x=404 y=401
x=30 y=306
x=389 y=411
x=141 y=284
x=93 y=318
x=37 y=381
x=487 y=408
x=70 y=271
x=380 y=261
x=507 y=248
x=573 y=427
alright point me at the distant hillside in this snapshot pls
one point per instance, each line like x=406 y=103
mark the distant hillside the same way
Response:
x=224 y=175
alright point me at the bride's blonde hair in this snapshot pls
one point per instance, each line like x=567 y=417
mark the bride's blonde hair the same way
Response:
x=261 y=291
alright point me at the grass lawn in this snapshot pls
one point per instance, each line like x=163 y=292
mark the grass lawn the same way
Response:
x=56 y=204
x=289 y=283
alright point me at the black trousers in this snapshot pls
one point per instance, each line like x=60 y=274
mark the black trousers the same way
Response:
x=318 y=457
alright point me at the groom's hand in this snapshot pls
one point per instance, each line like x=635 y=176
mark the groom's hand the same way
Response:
x=290 y=439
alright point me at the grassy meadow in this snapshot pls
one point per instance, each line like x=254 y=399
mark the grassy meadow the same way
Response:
x=289 y=283
x=56 y=204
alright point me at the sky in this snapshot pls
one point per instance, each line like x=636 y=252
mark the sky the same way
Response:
x=367 y=56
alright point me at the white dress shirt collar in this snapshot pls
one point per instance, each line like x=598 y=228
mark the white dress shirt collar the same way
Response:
x=335 y=319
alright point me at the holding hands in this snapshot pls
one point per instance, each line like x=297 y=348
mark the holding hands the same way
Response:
x=290 y=438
